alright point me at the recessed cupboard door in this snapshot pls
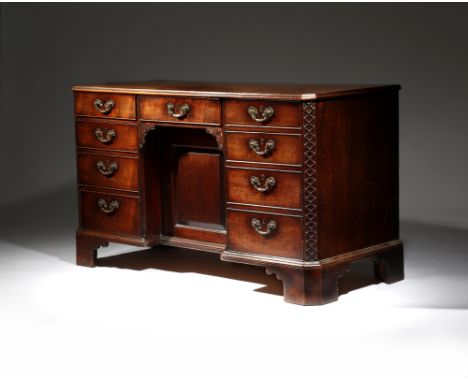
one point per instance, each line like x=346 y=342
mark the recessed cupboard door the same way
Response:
x=195 y=186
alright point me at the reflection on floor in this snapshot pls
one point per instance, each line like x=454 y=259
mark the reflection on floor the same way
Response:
x=148 y=311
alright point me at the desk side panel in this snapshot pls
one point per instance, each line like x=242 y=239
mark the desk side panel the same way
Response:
x=357 y=172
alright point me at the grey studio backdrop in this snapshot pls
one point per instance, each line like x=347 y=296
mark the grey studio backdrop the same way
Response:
x=45 y=49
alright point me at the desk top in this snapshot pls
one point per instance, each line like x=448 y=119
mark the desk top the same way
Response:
x=289 y=92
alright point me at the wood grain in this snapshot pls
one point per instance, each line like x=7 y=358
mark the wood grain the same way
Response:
x=197 y=189
x=126 y=136
x=335 y=164
x=357 y=178
x=286 y=193
x=287 y=147
x=202 y=111
x=265 y=91
x=125 y=177
x=286 y=114
x=193 y=181
x=200 y=234
x=126 y=220
x=286 y=241
x=124 y=105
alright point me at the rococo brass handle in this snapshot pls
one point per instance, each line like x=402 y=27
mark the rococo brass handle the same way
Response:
x=104 y=107
x=268 y=183
x=257 y=226
x=107 y=170
x=105 y=136
x=262 y=115
x=269 y=146
x=108 y=208
x=183 y=110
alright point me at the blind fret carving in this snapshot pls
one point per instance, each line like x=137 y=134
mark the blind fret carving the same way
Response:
x=310 y=182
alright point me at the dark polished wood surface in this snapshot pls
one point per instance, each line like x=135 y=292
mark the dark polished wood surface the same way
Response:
x=202 y=111
x=358 y=177
x=124 y=220
x=274 y=148
x=284 y=241
x=299 y=179
x=112 y=171
x=124 y=105
x=119 y=136
x=286 y=191
x=293 y=92
x=286 y=114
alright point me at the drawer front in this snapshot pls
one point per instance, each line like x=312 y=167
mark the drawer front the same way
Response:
x=180 y=110
x=277 y=235
x=264 y=113
x=107 y=136
x=110 y=213
x=264 y=148
x=108 y=171
x=120 y=106
x=264 y=187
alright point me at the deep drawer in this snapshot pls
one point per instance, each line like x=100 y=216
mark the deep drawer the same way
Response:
x=108 y=136
x=263 y=148
x=104 y=105
x=253 y=232
x=108 y=171
x=180 y=110
x=264 y=187
x=262 y=113
x=110 y=213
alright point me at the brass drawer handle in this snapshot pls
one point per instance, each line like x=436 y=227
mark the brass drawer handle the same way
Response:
x=107 y=170
x=183 y=110
x=105 y=136
x=268 y=183
x=268 y=146
x=108 y=209
x=262 y=115
x=104 y=107
x=257 y=226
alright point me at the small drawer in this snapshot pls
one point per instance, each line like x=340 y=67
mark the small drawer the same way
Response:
x=263 y=148
x=261 y=113
x=107 y=136
x=110 y=213
x=264 y=187
x=275 y=235
x=119 y=106
x=108 y=171
x=180 y=110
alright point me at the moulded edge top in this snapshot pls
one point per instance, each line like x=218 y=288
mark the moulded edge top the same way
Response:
x=285 y=92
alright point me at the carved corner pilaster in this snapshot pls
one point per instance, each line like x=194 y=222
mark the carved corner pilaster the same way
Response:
x=216 y=132
x=310 y=181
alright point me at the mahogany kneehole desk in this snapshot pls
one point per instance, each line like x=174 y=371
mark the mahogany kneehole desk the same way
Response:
x=299 y=179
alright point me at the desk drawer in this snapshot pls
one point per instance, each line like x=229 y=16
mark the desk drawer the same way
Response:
x=264 y=187
x=265 y=113
x=263 y=148
x=108 y=171
x=119 y=106
x=110 y=213
x=275 y=235
x=107 y=136
x=180 y=110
